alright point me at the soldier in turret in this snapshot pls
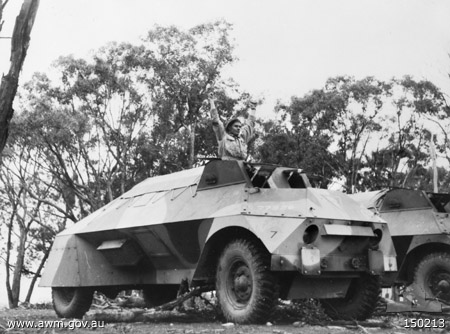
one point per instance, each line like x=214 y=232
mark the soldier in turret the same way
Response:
x=234 y=137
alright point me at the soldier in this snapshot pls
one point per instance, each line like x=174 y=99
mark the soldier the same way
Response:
x=233 y=138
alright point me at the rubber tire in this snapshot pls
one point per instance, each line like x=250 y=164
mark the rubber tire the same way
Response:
x=71 y=302
x=423 y=271
x=159 y=294
x=360 y=301
x=252 y=262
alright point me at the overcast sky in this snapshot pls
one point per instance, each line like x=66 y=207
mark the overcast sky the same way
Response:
x=285 y=47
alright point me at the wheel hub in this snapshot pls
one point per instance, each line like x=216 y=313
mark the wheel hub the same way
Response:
x=440 y=284
x=242 y=283
x=444 y=286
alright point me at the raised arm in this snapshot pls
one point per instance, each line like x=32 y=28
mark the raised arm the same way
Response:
x=248 y=130
x=218 y=127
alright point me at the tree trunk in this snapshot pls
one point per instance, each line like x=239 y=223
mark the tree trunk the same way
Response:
x=17 y=272
x=109 y=189
x=2 y=4
x=192 y=145
x=19 y=46
x=36 y=275
x=8 y=257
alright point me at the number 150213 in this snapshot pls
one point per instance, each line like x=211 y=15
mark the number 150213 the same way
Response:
x=424 y=323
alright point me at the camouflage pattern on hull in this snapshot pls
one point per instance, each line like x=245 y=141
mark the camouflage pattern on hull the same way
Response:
x=175 y=227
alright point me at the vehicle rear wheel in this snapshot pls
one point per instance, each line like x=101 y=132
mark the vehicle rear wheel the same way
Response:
x=245 y=287
x=70 y=302
x=360 y=301
x=157 y=295
x=432 y=276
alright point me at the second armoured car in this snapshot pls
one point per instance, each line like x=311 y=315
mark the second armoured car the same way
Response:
x=252 y=232
x=419 y=222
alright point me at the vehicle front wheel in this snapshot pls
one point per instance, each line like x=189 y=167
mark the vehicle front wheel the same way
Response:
x=70 y=302
x=359 y=302
x=246 y=289
x=432 y=276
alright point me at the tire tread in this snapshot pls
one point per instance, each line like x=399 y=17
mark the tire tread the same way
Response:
x=264 y=305
x=77 y=307
x=369 y=290
x=442 y=258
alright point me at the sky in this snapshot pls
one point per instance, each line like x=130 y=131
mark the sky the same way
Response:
x=285 y=47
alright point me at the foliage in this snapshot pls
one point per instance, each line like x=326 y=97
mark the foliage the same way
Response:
x=181 y=69
x=29 y=219
x=368 y=132
x=129 y=113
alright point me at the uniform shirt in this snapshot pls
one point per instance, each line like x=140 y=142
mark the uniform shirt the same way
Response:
x=232 y=147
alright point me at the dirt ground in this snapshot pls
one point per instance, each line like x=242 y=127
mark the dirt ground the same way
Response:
x=286 y=319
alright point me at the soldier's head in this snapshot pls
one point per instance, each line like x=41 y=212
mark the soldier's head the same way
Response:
x=233 y=127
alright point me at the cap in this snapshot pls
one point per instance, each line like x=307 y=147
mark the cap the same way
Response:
x=231 y=122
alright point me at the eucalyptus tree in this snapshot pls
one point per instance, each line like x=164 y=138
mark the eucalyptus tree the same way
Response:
x=369 y=133
x=330 y=128
x=90 y=122
x=32 y=212
x=132 y=111
x=182 y=68
x=419 y=116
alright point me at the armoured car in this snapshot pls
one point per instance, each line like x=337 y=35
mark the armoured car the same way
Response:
x=419 y=223
x=251 y=232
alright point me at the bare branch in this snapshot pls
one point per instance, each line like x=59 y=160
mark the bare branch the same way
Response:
x=4 y=4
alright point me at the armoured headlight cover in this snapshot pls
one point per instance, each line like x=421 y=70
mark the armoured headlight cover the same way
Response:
x=378 y=236
x=311 y=233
